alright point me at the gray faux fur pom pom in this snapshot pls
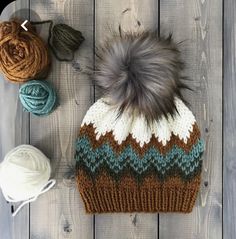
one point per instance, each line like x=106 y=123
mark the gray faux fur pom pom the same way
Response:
x=141 y=72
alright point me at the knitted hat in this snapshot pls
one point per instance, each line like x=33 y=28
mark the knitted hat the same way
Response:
x=139 y=147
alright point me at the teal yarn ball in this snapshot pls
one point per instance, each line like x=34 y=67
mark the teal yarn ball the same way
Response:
x=38 y=97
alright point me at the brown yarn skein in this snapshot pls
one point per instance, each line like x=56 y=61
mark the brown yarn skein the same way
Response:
x=23 y=54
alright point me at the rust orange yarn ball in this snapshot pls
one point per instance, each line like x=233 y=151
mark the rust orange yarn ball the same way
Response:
x=23 y=54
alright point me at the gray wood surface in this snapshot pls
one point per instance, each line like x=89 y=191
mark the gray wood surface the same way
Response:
x=199 y=23
x=229 y=208
x=14 y=130
x=109 y=16
x=60 y=213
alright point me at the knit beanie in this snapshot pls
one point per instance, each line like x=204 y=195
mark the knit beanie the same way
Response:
x=139 y=147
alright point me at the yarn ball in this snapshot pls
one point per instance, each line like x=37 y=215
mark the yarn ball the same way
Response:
x=24 y=172
x=24 y=55
x=38 y=97
x=65 y=41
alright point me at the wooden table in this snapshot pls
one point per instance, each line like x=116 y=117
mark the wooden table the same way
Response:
x=60 y=213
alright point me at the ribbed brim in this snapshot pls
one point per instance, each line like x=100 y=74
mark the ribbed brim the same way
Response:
x=159 y=200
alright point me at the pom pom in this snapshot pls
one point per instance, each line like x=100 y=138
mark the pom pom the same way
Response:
x=141 y=73
x=38 y=97
x=24 y=55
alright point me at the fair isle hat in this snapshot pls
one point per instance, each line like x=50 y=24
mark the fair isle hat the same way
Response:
x=139 y=146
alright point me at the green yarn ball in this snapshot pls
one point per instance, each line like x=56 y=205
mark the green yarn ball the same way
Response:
x=38 y=97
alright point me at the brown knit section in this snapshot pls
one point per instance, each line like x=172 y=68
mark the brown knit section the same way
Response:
x=89 y=131
x=106 y=195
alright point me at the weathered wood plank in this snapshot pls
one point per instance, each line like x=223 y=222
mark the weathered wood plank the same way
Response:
x=60 y=212
x=13 y=131
x=109 y=16
x=229 y=149
x=199 y=22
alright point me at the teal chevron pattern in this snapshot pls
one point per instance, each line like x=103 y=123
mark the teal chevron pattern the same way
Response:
x=175 y=158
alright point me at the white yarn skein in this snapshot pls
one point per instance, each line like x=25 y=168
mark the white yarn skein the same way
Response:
x=24 y=175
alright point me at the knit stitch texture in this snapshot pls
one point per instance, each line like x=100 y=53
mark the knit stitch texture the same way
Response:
x=125 y=164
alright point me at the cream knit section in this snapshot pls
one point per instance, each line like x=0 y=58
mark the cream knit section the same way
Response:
x=104 y=119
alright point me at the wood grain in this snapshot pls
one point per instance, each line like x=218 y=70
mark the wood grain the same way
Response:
x=229 y=208
x=199 y=23
x=108 y=17
x=60 y=213
x=14 y=130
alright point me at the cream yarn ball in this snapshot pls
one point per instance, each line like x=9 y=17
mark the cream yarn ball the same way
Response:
x=24 y=175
